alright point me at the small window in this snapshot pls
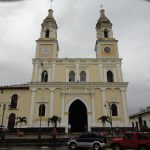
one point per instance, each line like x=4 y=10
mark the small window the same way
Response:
x=82 y=76
x=42 y=110
x=110 y=77
x=72 y=76
x=14 y=101
x=106 y=33
x=44 y=76
x=114 y=110
x=47 y=33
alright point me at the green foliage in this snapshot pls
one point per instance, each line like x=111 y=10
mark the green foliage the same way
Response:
x=21 y=120
x=53 y=120
x=105 y=119
x=144 y=128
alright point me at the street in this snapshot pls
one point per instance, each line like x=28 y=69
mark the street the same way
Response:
x=37 y=148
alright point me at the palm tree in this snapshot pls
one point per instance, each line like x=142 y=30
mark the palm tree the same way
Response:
x=105 y=119
x=21 y=120
x=53 y=120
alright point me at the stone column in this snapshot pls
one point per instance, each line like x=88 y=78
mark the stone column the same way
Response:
x=51 y=101
x=119 y=73
x=62 y=108
x=93 y=108
x=101 y=72
x=32 y=107
x=104 y=101
x=53 y=72
x=125 y=107
x=77 y=78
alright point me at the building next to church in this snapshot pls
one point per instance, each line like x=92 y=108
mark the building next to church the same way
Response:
x=79 y=90
x=140 y=119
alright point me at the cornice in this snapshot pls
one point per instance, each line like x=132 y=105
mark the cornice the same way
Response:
x=79 y=84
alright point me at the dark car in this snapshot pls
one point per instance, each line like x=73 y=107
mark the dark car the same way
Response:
x=88 y=140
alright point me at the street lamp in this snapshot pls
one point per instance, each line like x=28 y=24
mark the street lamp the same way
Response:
x=3 y=105
x=110 y=115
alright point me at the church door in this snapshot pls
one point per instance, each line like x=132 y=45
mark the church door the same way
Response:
x=11 y=121
x=78 y=116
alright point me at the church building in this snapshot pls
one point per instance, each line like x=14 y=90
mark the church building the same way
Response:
x=78 y=90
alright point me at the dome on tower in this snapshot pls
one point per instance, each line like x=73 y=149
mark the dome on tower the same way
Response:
x=49 y=21
x=103 y=21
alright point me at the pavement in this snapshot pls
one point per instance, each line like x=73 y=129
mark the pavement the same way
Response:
x=32 y=140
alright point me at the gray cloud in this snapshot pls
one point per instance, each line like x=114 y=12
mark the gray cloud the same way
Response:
x=21 y=23
x=10 y=0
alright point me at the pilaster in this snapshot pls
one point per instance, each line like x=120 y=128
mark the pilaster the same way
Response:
x=32 y=107
x=125 y=108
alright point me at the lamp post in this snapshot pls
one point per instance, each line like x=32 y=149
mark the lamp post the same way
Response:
x=2 y=104
x=110 y=115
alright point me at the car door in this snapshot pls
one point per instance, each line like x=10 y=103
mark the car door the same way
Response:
x=82 y=140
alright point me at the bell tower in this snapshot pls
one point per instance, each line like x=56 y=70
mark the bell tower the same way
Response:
x=47 y=44
x=106 y=45
x=46 y=50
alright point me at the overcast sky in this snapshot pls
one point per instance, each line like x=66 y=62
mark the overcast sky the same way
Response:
x=20 y=24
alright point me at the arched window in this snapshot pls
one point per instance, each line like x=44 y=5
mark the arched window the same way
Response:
x=82 y=76
x=47 y=33
x=42 y=110
x=14 y=101
x=71 y=76
x=11 y=121
x=110 y=77
x=106 y=33
x=114 y=110
x=44 y=76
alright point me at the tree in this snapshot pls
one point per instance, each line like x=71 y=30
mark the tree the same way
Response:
x=105 y=119
x=53 y=121
x=21 y=120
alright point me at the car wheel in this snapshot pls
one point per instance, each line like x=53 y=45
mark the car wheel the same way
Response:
x=73 y=145
x=96 y=146
x=116 y=147
x=142 y=148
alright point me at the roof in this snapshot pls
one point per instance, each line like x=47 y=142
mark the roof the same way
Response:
x=18 y=86
x=146 y=111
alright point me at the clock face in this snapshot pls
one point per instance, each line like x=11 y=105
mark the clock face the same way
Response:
x=107 y=49
x=45 y=50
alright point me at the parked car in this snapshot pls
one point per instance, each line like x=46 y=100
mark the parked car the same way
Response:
x=87 y=140
x=132 y=140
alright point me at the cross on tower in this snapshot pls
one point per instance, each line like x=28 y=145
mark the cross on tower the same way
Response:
x=51 y=3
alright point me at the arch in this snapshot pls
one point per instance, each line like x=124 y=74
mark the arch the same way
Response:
x=82 y=76
x=75 y=98
x=71 y=76
x=44 y=76
x=11 y=121
x=42 y=110
x=110 y=77
x=14 y=101
x=78 y=117
x=114 y=110
x=106 y=33
x=47 y=33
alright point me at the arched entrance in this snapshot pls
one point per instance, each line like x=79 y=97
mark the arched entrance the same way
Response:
x=78 y=116
x=11 y=121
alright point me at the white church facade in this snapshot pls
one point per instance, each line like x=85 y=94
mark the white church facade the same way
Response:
x=79 y=90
